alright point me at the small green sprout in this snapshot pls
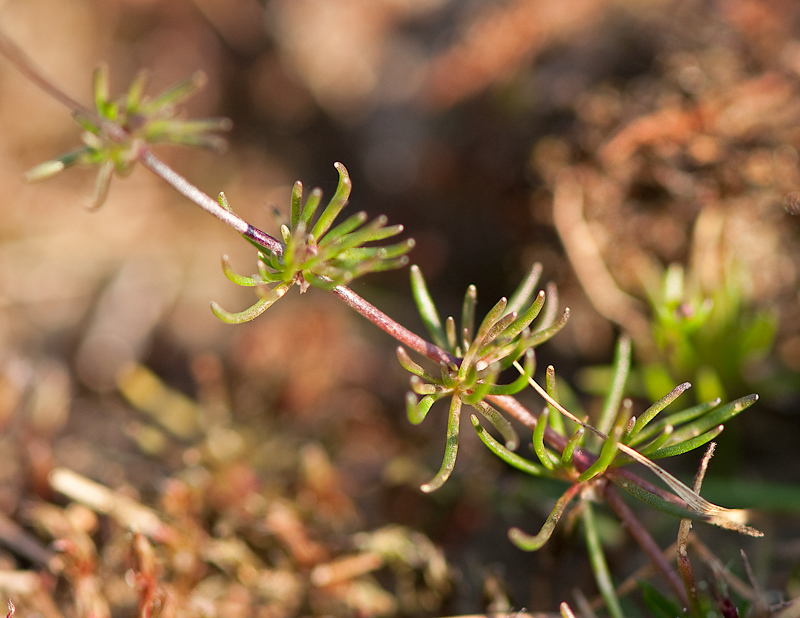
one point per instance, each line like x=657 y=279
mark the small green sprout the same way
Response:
x=712 y=335
x=116 y=133
x=313 y=253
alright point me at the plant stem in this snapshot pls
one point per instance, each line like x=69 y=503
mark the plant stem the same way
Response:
x=26 y=66
x=207 y=203
x=387 y=324
x=645 y=541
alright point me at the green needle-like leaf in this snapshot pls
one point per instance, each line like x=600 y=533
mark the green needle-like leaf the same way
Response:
x=655 y=501
x=353 y=239
x=524 y=320
x=451 y=448
x=50 y=168
x=658 y=442
x=499 y=328
x=387 y=231
x=234 y=276
x=521 y=382
x=527 y=542
x=90 y=125
x=345 y=227
x=338 y=201
x=312 y=203
x=608 y=452
x=545 y=456
x=574 y=442
x=649 y=414
x=524 y=292
x=716 y=417
x=417 y=411
x=222 y=199
x=492 y=318
x=296 y=203
x=100 y=89
x=551 y=306
x=386 y=253
x=175 y=94
x=468 y=316
x=481 y=337
x=102 y=183
x=520 y=463
x=427 y=308
x=451 y=334
x=687 y=445
x=268 y=299
x=500 y=423
x=622 y=365
x=541 y=336
x=551 y=386
x=136 y=91
x=409 y=365
x=598 y=561
x=675 y=419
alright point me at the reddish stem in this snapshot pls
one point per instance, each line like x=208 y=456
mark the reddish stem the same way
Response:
x=387 y=324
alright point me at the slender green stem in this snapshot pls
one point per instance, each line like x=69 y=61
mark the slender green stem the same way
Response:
x=598 y=561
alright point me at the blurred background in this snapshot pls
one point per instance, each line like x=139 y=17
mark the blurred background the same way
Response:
x=644 y=152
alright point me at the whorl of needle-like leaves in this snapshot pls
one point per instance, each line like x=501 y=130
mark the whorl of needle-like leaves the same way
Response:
x=314 y=253
x=504 y=336
x=117 y=130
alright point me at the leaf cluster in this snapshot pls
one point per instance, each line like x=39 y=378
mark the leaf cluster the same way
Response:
x=312 y=252
x=478 y=357
x=620 y=438
x=118 y=129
